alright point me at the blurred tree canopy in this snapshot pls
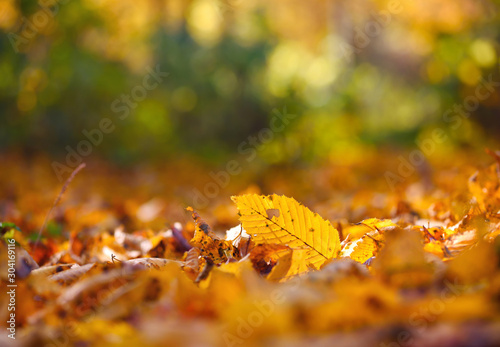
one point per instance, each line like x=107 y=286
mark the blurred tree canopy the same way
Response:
x=357 y=73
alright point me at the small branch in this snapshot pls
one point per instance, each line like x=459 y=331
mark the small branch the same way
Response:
x=56 y=201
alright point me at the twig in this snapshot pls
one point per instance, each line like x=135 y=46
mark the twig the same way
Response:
x=56 y=201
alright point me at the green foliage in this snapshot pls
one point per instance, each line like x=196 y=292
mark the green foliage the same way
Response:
x=226 y=78
x=7 y=230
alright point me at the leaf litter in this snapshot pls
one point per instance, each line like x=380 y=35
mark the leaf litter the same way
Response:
x=425 y=272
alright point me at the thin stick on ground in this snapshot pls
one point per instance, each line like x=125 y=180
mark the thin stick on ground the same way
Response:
x=56 y=201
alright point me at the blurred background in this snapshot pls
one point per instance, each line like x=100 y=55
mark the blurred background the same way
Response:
x=356 y=73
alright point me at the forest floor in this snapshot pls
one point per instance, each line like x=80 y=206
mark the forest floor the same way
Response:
x=380 y=250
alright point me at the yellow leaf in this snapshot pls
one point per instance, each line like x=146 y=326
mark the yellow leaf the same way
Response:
x=364 y=248
x=358 y=230
x=281 y=220
x=363 y=244
x=290 y=263
x=434 y=247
